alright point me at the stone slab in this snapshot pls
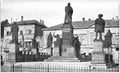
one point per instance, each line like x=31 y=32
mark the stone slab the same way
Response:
x=68 y=51
x=99 y=66
x=61 y=59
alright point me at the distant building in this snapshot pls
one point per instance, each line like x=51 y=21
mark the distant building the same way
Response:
x=29 y=28
x=85 y=31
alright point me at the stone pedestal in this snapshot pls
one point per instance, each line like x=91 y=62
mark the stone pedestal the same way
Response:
x=68 y=51
x=67 y=34
x=11 y=54
x=67 y=37
x=98 y=55
x=56 y=51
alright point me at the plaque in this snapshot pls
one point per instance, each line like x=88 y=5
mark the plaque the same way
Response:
x=66 y=30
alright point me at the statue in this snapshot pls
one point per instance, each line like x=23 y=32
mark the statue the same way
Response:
x=57 y=42
x=107 y=45
x=49 y=40
x=14 y=30
x=77 y=45
x=99 y=26
x=68 y=14
x=108 y=39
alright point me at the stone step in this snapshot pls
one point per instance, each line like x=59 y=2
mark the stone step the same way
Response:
x=61 y=59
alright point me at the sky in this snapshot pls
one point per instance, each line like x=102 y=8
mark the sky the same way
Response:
x=53 y=13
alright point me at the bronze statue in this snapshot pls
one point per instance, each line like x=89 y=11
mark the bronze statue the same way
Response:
x=108 y=39
x=49 y=40
x=99 y=26
x=57 y=42
x=68 y=14
x=14 y=30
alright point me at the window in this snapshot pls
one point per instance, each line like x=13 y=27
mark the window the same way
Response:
x=29 y=32
x=21 y=32
x=7 y=32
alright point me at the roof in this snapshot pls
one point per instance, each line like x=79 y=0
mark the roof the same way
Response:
x=84 y=25
x=28 y=22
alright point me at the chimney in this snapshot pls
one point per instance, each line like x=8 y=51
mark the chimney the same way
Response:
x=16 y=19
x=21 y=18
x=83 y=19
x=11 y=20
x=117 y=18
x=89 y=19
x=113 y=18
x=42 y=22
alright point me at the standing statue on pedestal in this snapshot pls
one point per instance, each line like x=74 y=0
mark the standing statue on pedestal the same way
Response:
x=107 y=45
x=68 y=14
x=99 y=26
x=77 y=45
x=14 y=30
x=49 y=40
x=108 y=39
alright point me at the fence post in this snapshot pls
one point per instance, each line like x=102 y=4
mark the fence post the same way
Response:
x=21 y=67
x=13 y=67
x=90 y=68
x=48 y=67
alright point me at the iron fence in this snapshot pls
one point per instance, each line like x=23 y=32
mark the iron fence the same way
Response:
x=59 y=68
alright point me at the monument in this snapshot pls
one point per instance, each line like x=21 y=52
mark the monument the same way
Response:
x=67 y=32
x=98 y=55
x=14 y=43
x=108 y=48
x=67 y=50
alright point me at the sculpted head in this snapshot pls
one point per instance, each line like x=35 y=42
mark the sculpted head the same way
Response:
x=68 y=4
x=100 y=15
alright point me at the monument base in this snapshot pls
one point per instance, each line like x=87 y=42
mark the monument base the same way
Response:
x=61 y=59
x=68 y=55
x=68 y=51
x=56 y=51
x=98 y=55
x=98 y=66
x=98 y=58
x=11 y=55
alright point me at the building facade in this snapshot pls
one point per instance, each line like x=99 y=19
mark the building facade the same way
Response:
x=30 y=29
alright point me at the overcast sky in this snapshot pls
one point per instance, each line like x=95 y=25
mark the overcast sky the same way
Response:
x=52 y=12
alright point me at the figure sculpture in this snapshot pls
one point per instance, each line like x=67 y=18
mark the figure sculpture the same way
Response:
x=14 y=31
x=49 y=40
x=68 y=14
x=108 y=39
x=99 y=26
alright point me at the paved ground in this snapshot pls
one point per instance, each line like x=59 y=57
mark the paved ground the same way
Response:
x=6 y=67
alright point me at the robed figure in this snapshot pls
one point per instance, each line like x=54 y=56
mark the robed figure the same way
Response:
x=57 y=42
x=77 y=45
x=68 y=14
x=107 y=45
x=14 y=30
x=49 y=40
x=108 y=39
x=99 y=26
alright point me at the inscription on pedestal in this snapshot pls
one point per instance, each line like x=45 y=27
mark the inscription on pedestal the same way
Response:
x=66 y=30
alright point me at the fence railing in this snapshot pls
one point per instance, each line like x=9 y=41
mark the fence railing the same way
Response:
x=59 y=68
